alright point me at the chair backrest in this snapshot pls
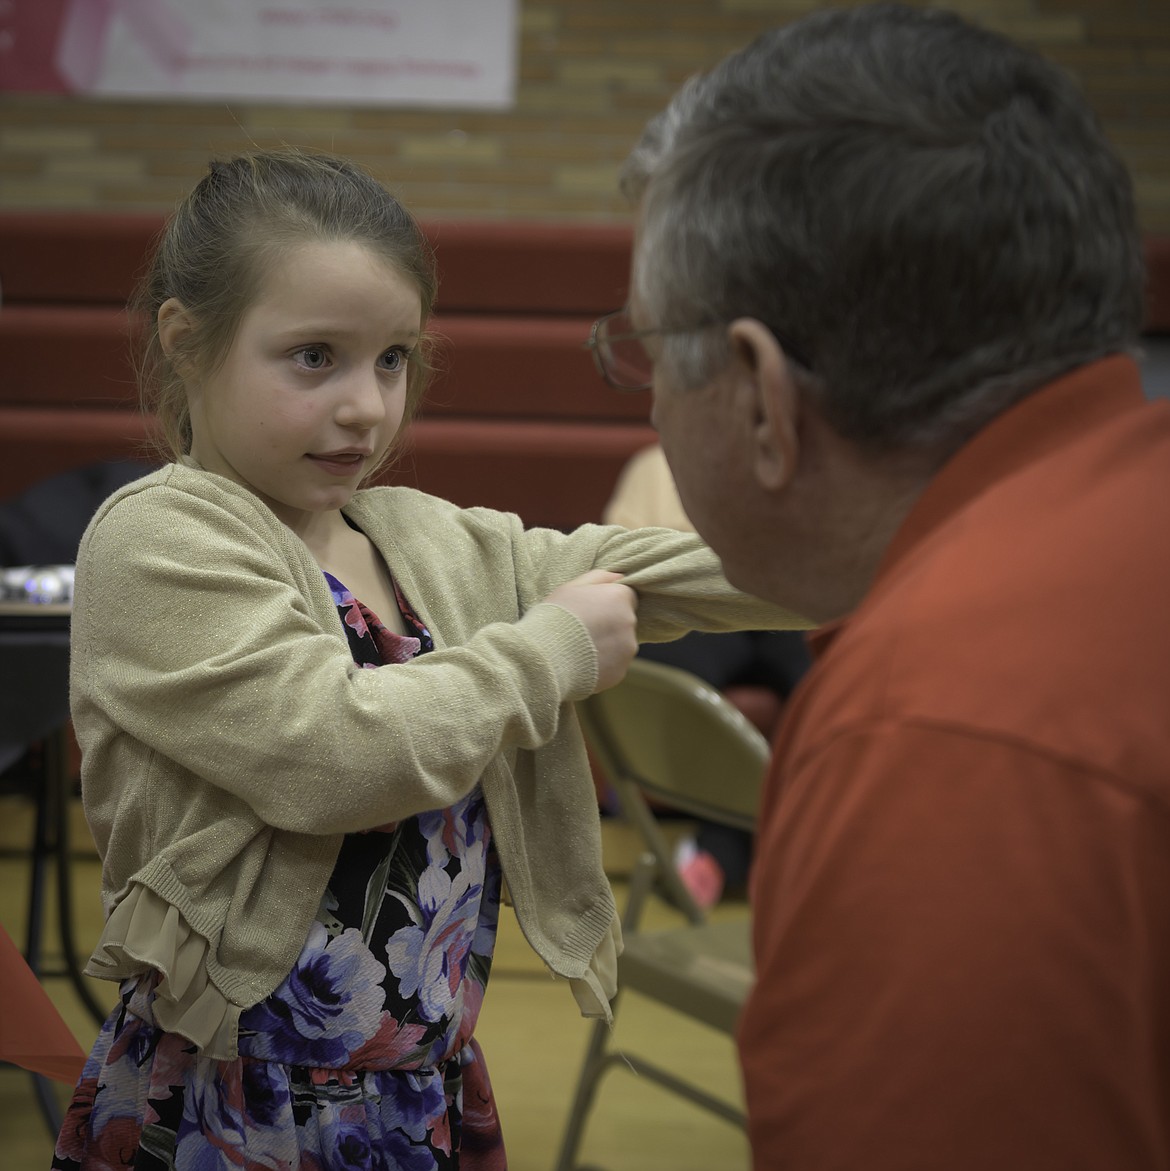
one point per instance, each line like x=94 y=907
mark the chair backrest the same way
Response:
x=669 y=734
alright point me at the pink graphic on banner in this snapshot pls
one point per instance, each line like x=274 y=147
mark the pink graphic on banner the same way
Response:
x=363 y=52
x=59 y=46
x=81 y=51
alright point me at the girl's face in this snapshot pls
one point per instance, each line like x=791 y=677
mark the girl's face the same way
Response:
x=313 y=389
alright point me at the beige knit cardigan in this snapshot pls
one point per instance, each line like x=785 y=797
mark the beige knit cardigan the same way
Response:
x=229 y=741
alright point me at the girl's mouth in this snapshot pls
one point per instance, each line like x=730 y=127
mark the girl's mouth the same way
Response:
x=339 y=463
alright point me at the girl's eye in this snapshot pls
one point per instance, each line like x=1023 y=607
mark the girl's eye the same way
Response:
x=395 y=360
x=312 y=357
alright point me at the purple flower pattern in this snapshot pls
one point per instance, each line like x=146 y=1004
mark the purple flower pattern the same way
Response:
x=328 y=1006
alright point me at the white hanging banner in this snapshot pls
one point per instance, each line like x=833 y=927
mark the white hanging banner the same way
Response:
x=356 y=52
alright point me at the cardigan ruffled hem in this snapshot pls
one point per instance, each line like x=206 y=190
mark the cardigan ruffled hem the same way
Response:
x=144 y=931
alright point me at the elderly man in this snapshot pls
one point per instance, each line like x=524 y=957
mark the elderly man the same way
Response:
x=888 y=280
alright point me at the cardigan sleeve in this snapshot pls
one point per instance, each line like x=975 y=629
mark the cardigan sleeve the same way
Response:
x=677 y=578
x=195 y=637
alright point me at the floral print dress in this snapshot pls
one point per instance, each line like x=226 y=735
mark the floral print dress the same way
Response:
x=363 y=1058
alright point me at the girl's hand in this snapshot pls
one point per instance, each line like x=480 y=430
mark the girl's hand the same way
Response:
x=608 y=610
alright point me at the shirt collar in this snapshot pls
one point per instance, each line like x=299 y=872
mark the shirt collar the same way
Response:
x=1058 y=413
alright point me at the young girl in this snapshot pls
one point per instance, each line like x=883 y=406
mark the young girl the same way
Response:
x=318 y=723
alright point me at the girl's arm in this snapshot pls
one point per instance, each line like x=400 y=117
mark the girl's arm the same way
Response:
x=192 y=638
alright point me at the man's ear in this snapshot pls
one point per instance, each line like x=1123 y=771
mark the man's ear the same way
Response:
x=770 y=400
x=174 y=323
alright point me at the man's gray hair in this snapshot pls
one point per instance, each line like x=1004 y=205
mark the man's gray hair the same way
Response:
x=927 y=213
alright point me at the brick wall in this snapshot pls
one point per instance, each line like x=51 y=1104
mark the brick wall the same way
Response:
x=591 y=73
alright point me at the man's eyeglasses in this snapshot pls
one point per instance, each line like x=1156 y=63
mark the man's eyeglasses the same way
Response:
x=623 y=360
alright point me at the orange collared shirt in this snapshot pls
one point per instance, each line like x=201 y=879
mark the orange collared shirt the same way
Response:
x=962 y=884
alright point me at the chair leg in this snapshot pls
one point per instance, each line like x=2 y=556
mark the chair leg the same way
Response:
x=637 y=811
x=594 y=1066
x=47 y=1103
x=598 y=1058
x=669 y=1081
x=41 y=849
x=51 y=840
x=57 y=777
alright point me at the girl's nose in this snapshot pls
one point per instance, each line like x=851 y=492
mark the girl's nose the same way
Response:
x=361 y=403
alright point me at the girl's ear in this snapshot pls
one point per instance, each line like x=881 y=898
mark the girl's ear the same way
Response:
x=773 y=403
x=174 y=322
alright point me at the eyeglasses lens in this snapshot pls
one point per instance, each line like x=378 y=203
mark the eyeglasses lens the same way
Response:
x=626 y=361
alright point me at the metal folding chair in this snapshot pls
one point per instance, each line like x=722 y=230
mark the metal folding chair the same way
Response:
x=663 y=733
